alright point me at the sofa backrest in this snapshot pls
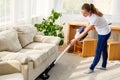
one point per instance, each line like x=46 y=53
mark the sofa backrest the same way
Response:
x=26 y=33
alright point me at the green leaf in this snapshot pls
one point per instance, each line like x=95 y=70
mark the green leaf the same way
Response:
x=53 y=11
x=46 y=33
x=60 y=35
x=61 y=42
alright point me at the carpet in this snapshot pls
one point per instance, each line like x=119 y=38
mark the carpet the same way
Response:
x=73 y=67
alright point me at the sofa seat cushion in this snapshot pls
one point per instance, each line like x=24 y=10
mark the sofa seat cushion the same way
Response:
x=15 y=76
x=48 y=47
x=9 y=41
x=38 y=57
x=26 y=34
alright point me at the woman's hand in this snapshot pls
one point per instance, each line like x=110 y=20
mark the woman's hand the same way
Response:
x=87 y=29
x=73 y=41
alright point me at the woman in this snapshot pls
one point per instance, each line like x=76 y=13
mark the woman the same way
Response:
x=97 y=21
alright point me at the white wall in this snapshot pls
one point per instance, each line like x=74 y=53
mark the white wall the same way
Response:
x=116 y=11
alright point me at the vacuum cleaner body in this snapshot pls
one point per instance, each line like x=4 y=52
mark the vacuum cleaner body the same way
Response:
x=79 y=31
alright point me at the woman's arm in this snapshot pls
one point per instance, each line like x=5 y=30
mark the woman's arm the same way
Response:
x=87 y=29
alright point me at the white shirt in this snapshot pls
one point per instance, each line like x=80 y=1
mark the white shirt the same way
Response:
x=100 y=24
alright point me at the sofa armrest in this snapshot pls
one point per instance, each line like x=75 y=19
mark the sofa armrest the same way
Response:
x=47 y=39
x=22 y=58
x=9 y=67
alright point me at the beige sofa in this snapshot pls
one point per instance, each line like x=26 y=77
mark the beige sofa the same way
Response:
x=34 y=52
x=10 y=70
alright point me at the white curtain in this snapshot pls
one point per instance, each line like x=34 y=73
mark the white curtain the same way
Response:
x=40 y=7
x=58 y=4
x=15 y=12
x=5 y=13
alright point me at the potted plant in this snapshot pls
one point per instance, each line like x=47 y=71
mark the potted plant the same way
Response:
x=50 y=28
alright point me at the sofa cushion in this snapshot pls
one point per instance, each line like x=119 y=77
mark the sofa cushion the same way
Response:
x=9 y=41
x=26 y=34
x=38 y=57
x=22 y=58
x=47 y=39
x=15 y=76
x=50 y=48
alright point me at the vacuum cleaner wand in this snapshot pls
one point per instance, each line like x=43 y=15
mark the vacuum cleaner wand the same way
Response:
x=62 y=53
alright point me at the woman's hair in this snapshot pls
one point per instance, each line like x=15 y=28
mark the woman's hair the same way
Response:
x=92 y=8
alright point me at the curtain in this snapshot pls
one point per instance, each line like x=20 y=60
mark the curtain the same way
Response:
x=5 y=11
x=26 y=11
x=15 y=12
x=40 y=7
x=58 y=4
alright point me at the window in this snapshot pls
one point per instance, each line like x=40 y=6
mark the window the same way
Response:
x=40 y=7
x=22 y=11
x=5 y=9
x=34 y=9
x=73 y=6
x=11 y=11
x=104 y=6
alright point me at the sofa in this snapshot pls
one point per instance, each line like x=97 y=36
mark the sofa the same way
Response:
x=10 y=70
x=34 y=52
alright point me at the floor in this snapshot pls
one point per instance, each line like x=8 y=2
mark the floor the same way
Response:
x=73 y=67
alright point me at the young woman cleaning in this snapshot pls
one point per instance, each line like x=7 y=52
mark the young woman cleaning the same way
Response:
x=97 y=21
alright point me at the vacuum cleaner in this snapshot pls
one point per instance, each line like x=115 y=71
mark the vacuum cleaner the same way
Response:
x=45 y=75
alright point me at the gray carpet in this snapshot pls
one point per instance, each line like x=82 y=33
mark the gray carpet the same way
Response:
x=73 y=67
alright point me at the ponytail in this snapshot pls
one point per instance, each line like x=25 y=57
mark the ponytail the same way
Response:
x=92 y=8
x=95 y=10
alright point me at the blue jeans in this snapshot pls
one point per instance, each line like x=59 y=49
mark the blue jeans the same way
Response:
x=101 y=49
